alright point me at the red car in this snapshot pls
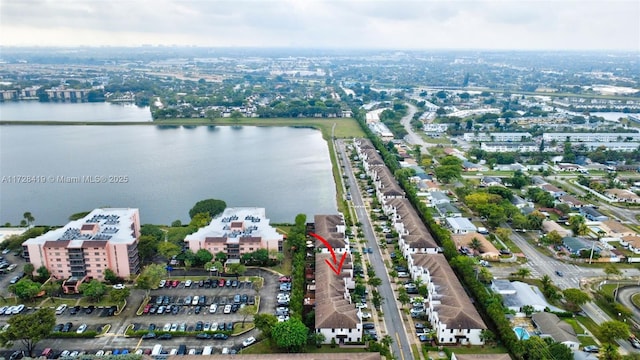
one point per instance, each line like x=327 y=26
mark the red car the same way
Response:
x=175 y=283
x=146 y=308
x=221 y=283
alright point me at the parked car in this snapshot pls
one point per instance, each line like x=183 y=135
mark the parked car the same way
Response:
x=188 y=283
x=82 y=328
x=165 y=337
x=248 y=341
x=59 y=310
x=203 y=336
x=149 y=335
x=220 y=336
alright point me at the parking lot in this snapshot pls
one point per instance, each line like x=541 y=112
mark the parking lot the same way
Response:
x=185 y=316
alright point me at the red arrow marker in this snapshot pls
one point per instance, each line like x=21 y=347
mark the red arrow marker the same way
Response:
x=336 y=266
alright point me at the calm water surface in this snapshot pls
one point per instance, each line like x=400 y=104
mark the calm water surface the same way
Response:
x=163 y=171
x=37 y=111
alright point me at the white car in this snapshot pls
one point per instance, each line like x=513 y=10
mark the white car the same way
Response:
x=227 y=309
x=65 y=353
x=6 y=251
x=194 y=302
x=365 y=315
x=162 y=283
x=213 y=308
x=17 y=309
x=206 y=326
x=166 y=327
x=139 y=352
x=81 y=328
x=214 y=326
x=248 y=341
x=100 y=353
x=174 y=327
x=118 y=286
x=283 y=318
x=59 y=310
x=188 y=283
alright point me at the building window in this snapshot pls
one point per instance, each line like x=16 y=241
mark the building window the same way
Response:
x=333 y=331
x=59 y=265
x=451 y=330
x=97 y=253
x=58 y=260
x=99 y=271
x=349 y=332
x=59 y=271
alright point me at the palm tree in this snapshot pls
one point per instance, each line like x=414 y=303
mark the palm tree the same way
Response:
x=523 y=272
x=28 y=217
x=387 y=340
x=475 y=244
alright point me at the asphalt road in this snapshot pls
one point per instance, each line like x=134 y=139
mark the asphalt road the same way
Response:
x=624 y=297
x=572 y=274
x=400 y=347
x=412 y=137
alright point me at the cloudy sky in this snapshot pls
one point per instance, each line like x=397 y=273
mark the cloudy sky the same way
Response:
x=389 y=24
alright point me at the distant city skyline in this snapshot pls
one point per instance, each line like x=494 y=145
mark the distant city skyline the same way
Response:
x=341 y=24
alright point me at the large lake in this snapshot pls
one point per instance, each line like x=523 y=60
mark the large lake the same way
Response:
x=37 y=111
x=285 y=170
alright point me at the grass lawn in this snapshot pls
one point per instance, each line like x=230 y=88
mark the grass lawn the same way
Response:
x=265 y=347
x=589 y=324
x=609 y=289
x=586 y=340
x=576 y=327
x=285 y=267
x=57 y=302
x=636 y=299
x=493 y=349
x=238 y=329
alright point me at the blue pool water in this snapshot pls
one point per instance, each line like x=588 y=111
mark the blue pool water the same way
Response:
x=521 y=333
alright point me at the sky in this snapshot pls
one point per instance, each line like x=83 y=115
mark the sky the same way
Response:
x=340 y=24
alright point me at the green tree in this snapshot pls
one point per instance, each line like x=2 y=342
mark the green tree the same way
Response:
x=265 y=322
x=28 y=269
x=52 y=289
x=147 y=245
x=203 y=256
x=375 y=281
x=221 y=257
x=237 y=269
x=28 y=217
x=110 y=276
x=317 y=339
x=43 y=273
x=558 y=351
x=610 y=352
x=554 y=238
x=612 y=330
x=522 y=272
x=29 y=329
x=446 y=173
x=487 y=336
x=168 y=249
x=119 y=295
x=611 y=269
x=387 y=340
x=211 y=206
x=247 y=311
x=575 y=298
x=290 y=334
x=94 y=290
x=151 y=275
x=578 y=225
x=404 y=298
x=25 y=289
x=527 y=310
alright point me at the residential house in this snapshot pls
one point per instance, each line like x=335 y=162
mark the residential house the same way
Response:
x=553 y=190
x=438 y=198
x=591 y=137
x=571 y=201
x=235 y=232
x=448 y=309
x=550 y=225
x=615 y=229
x=487 y=250
x=413 y=235
x=448 y=210
x=332 y=229
x=592 y=214
x=632 y=243
x=336 y=316
x=519 y=202
x=490 y=181
x=575 y=245
x=469 y=166
x=622 y=195
x=460 y=225
x=550 y=325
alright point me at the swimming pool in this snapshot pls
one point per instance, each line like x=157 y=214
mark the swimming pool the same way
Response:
x=521 y=333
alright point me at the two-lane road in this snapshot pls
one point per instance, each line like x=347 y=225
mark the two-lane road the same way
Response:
x=400 y=347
